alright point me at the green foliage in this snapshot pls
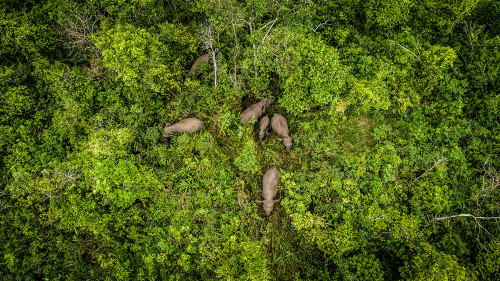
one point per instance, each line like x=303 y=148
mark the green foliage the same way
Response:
x=361 y=267
x=105 y=144
x=15 y=99
x=393 y=108
x=311 y=77
x=247 y=160
x=234 y=257
x=389 y=13
x=24 y=39
x=488 y=265
x=438 y=59
x=123 y=182
x=457 y=12
x=138 y=58
x=429 y=264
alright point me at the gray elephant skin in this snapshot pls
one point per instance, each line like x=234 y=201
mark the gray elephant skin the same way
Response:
x=256 y=110
x=206 y=58
x=264 y=123
x=189 y=125
x=280 y=127
x=269 y=182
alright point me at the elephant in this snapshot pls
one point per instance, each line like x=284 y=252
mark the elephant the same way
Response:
x=206 y=58
x=280 y=127
x=269 y=182
x=189 y=125
x=264 y=123
x=256 y=110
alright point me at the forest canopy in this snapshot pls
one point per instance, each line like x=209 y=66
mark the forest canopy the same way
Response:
x=393 y=108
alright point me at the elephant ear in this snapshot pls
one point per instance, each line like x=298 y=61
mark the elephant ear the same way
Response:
x=259 y=201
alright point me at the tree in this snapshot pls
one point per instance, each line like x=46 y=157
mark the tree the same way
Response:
x=430 y=264
x=138 y=58
x=207 y=41
x=310 y=73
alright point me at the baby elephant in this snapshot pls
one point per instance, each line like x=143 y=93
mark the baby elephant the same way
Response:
x=206 y=58
x=264 y=123
x=256 y=110
x=280 y=127
x=269 y=183
x=189 y=125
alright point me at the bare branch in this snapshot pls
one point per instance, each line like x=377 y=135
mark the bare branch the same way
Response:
x=267 y=33
x=440 y=160
x=272 y=51
x=406 y=49
x=381 y=217
x=207 y=42
x=464 y=215
x=77 y=26
x=268 y=30
x=273 y=22
x=322 y=222
x=491 y=180
x=249 y=23
x=476 y=219
x=319 y=25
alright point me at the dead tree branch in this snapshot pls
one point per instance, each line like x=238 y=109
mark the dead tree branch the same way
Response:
x=319 y=25
x=491 y=181
x=77 y=27
x=267 y=33
x=440 y=160
x=476 y=219
x=464 y=215
x=322 y=222
x=207 y=42
x=404 y=48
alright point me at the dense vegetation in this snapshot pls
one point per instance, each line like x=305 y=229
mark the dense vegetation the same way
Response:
x=393 y=107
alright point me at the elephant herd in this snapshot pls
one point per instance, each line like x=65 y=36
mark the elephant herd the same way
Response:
x=278 y=124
